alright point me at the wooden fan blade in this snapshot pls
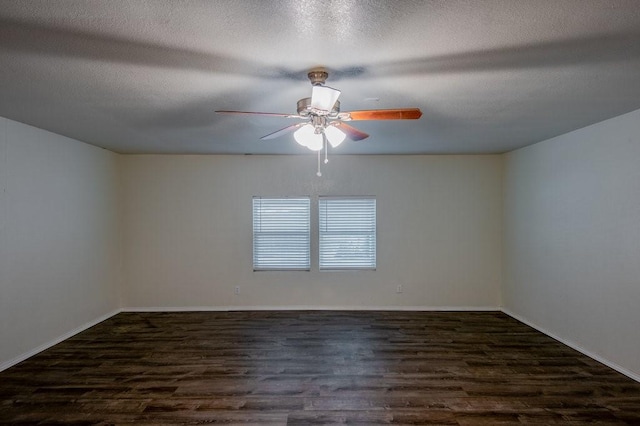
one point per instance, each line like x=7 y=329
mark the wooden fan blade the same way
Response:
x=351 y=132
x=282 y=131
x=272 y=114
x=383 y=114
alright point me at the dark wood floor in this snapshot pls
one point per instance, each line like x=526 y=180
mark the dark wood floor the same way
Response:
x=449 y=368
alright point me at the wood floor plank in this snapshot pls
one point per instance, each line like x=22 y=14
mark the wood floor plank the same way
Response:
x=315 y=367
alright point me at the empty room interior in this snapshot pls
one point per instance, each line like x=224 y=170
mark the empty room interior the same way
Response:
x=320 y=212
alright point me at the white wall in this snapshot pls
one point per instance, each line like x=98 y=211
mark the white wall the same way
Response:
x=59 y=237
x=572 y=239
x=187 y=233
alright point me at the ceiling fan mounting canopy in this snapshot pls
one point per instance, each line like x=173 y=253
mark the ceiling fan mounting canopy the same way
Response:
x=318 y=77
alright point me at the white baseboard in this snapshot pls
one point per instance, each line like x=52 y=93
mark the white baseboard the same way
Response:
x=307 y=308
x=83 y=327
x=575 y=346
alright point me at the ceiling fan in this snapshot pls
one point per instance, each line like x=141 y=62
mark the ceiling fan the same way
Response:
x=323 y=122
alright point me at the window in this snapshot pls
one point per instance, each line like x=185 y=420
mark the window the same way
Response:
x=281 y=233
x=347 y=232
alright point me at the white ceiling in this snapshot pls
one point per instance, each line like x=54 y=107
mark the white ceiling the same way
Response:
x=144 y=76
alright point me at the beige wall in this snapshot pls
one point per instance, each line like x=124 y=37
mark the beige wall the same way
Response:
x=572 y=239
x=59 y=263
x=187 y=233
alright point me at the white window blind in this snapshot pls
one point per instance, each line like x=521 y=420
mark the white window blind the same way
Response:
x=281 y=233
x=347 y=232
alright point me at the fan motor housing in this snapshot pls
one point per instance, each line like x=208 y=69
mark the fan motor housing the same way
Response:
x=304 y=109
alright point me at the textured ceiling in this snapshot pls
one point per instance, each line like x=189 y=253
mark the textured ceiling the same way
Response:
x=145 y=76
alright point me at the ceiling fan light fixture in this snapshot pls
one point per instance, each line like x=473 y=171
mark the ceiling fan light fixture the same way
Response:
x=307 y=137
x=315 y=144
x=334 y=135
x=323 y=98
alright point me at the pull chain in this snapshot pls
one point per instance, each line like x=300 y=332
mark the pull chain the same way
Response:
x=326 y=150
x=319 y=172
